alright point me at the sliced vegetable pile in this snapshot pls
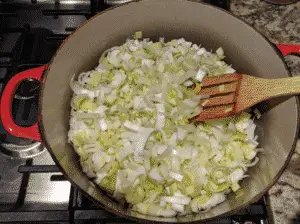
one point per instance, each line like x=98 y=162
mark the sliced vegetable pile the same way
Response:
x=129 y=125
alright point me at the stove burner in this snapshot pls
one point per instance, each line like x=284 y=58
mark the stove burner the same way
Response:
x=31 y=49
x=22 y=151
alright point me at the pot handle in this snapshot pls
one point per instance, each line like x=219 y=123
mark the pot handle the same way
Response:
x=10 y=126
x=287 y=49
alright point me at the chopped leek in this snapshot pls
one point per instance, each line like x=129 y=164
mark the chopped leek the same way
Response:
x=130 y=127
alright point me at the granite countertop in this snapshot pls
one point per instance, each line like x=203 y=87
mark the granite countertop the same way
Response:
x=281 y=24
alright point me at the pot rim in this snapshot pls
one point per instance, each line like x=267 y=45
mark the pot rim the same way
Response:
x=228 y=213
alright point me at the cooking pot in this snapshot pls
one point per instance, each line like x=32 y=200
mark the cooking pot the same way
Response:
x=246 y=49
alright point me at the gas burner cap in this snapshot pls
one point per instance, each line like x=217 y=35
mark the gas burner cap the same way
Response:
x=22 y=151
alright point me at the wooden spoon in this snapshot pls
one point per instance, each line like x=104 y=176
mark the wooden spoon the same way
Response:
x=231 y=94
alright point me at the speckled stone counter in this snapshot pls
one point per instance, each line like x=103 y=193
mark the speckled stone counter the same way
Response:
x=281 y=24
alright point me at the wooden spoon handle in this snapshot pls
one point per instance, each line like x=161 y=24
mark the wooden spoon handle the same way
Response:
x=280 y=87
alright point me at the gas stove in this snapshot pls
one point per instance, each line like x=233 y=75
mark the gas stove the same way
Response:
x=32 y=189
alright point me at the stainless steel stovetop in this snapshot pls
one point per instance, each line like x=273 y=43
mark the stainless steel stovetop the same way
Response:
x=31 y=187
